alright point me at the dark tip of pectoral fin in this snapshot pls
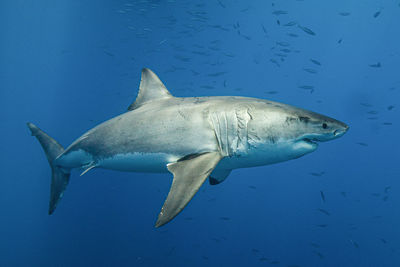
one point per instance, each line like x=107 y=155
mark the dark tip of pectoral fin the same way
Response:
x=213 y=181
x=189 y=175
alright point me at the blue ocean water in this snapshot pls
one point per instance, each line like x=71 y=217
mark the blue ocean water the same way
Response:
x=70 y=65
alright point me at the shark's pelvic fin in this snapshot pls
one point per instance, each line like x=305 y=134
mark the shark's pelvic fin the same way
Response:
x=189 y=175
x=218 y=176
x=151 y=88
x=59 y=177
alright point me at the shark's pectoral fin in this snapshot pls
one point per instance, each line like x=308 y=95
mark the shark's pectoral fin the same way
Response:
x=218 y=176
x=189 y=175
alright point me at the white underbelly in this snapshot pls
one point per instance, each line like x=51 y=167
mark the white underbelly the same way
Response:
x=138 y=162
x=266 y=155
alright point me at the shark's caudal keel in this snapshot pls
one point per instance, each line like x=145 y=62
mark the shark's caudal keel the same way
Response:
x=193 y=138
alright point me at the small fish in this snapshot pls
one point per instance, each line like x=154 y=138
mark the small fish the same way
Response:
x=377 y=65
x=280 y=55
x=340 y=41
x=214 y=48
x=284 y=44
x=321 y=225
x=366 y=105
x=201 y=53
x=319 y=254
x=383 y=240
x=252 y=187
x=373 y=112
x=322 y=196
x=344 y=14
x=377 y=13
x=292 y=35
x=285 y=50
x=317 y=173
x=216 y=74
x=182 y=58
x=275 y=62
x=207 y=87
x=324 y=212
x=228 y=54
x=316 y=62
x=362 y=144
x=292 y=23
x=278 y=22
x=306 y=87
x=279 y=12
x=387 y=188
x=221 y=4
x=306 y=30
x=246 y=37
x=344 y=194
x=108 y=53
x=272 y=92
x=390 y=107
x=255 y=250
x=312 y=71
x=225 y=218
x=387 y=123
x=264 y=29
x=354 y=243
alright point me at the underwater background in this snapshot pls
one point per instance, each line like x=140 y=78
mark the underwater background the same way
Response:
x=69 y=65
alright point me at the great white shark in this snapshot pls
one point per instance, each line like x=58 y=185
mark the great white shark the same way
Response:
x=194 y=138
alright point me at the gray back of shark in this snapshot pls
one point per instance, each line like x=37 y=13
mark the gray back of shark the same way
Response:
x=193 y=138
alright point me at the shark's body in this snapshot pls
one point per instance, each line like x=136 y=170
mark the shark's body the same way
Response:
x=190 y=137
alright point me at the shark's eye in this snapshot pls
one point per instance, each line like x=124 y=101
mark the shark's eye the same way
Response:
x=324 y=125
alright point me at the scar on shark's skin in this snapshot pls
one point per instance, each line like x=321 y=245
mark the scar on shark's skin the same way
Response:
x=193 y=138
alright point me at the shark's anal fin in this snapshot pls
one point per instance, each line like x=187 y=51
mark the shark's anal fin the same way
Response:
x=218 y=176
x=189 y=175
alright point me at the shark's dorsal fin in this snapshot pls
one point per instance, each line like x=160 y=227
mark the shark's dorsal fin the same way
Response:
x=151 y=88
x=189 y=174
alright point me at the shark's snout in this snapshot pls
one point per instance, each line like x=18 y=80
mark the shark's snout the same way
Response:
x=341 y=130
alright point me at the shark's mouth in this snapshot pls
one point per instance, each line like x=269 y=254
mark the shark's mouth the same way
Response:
x=310 y=141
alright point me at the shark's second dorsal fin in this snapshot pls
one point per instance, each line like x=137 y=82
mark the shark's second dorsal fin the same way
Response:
x=151 y=88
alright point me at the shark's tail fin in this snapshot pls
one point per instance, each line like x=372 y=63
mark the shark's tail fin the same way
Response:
x=59 y=176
